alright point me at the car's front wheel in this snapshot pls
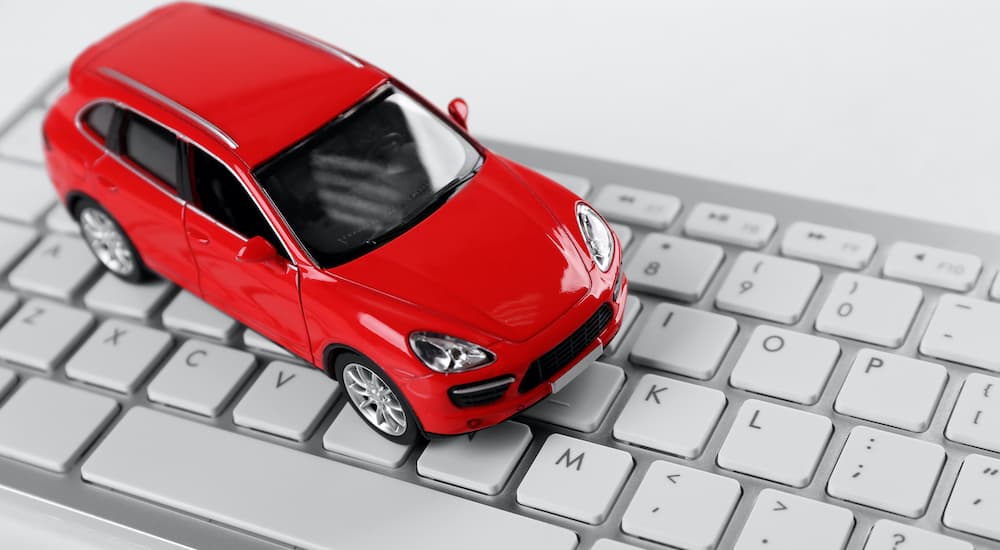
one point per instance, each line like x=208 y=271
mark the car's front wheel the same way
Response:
x=109 y=243
x=376 y=398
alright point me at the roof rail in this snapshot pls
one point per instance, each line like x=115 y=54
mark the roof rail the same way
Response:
x=294 y=35
x=153 y=94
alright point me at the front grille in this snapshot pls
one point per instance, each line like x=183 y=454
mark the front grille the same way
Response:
x=558 y=357
x=480 y=393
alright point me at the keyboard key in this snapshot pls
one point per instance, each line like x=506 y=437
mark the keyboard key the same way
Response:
x=785 y=364
x=768 y=287
x=189 y=313
x=780 y=521
x=57 y=267
x=681 y=507
x=975 y=420
x=113 y=295
x=349 y=435
x=887 y=471
x=33 y=193
x=201 y=377
x=963 y=330
x=670 y=416
x=684 y=341
x=118 y=355
x=288 y=496
x=638 y=206
x=23 y=140
x=673 y=267
x=575 y=479
x=14 y=241
x=480 y=461
x=253 y=339
x=829 y=245
x=730 y=225
x=892 y=390
x=286 y=400
x=933 y=266
x=870 y=310
x=583 y=404
x=41 y=333
x=576 y=184
x=995 y=289
x=632 y=308
x=48 y=424
x=59 y=221
x=624 y=233
x=776 y=443
x=890 y=535
x=974 y=505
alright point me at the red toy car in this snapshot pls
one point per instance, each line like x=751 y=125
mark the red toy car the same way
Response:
x=327 y=206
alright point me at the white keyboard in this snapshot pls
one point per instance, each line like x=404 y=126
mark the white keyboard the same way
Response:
x=791 y=375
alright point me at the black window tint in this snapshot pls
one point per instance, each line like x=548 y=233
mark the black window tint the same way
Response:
x=98 y=118
x=223 y=197
x=152 y=147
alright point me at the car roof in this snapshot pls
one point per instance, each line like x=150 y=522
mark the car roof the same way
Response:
x=260 y=87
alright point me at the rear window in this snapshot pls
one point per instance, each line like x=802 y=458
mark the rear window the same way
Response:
x=98 y=118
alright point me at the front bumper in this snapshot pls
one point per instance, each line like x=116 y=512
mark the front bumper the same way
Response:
x=433 y=399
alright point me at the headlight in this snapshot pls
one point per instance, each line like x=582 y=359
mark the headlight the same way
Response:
x=446 y=354
x=600 y=241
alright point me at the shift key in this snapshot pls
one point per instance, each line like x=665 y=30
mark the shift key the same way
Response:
x=296 y=498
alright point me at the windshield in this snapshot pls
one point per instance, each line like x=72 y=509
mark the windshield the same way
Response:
x=367 y=176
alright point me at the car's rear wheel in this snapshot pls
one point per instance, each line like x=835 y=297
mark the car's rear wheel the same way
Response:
x=109 y=243
x=376 y=398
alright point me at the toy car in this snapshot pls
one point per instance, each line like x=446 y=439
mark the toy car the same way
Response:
x=327 y=206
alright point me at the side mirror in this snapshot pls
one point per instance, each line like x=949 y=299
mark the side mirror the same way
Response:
x=459 y=112
x=257 y=250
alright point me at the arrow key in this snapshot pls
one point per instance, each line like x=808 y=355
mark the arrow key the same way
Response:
x=780 y=521
x=286 y=400
x=681 y=507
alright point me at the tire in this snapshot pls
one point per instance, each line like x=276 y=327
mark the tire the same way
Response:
x=109 y=243
x=389 y=414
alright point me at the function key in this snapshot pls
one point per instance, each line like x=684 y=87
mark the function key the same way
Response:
x=576 y=184
x=933 y=266
x=638 y=206
x=730 y=225
x=830 y=245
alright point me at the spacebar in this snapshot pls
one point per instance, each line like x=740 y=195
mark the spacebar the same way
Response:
x=293 y=497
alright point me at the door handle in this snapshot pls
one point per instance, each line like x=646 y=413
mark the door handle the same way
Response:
x=198 y=236
x=107 y=184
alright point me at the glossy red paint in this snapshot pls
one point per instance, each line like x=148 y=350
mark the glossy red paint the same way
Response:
x=501 y=264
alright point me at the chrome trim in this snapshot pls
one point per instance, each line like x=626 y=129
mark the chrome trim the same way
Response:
x=295 y=35
x=129 y=81
x=463 y=390
x=78 y=120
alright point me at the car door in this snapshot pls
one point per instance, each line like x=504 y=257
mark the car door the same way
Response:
x=136 y=180
x=223 y=216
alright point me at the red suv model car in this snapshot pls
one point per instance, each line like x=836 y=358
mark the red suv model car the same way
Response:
x=327 y=206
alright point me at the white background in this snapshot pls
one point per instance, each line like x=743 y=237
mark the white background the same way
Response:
x=890 y=105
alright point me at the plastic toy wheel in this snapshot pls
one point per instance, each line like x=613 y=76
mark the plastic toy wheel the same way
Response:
x=109 y=243
x=376 y=398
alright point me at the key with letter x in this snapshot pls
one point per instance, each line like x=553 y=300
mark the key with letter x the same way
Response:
x=575 y=479
x=118 y=355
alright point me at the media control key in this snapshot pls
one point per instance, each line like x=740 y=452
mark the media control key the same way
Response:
x=933 y=266
x=638 y=206
x=829 y=245
x=730 y=225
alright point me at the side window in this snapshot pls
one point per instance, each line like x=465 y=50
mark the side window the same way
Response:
x=223 y=197
x=98 y=118
x=152 y=147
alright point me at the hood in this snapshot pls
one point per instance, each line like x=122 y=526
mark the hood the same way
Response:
x=492 y=256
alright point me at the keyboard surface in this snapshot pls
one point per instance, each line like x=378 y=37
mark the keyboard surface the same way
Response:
x=791 y=375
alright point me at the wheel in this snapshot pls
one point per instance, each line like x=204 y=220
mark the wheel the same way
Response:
x=376 y=398
x=109 y=243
